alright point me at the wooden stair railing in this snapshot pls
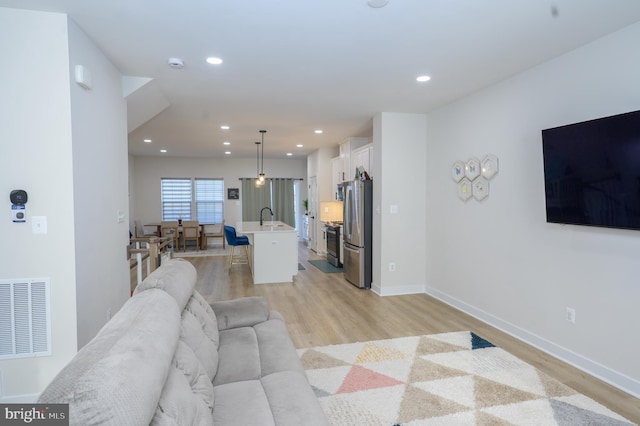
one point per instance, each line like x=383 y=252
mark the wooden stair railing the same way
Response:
x=150 y=248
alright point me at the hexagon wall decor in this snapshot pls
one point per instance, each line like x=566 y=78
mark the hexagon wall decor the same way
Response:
x=472 y=178
x=472 y=169
x=489 y=166
x=480 y=188
x=457 y=171
x=465 y=191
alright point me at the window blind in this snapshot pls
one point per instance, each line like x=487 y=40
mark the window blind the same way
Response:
x=176 y=198
x=209 y=200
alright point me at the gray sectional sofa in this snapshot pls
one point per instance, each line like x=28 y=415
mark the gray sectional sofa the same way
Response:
x=169 y=358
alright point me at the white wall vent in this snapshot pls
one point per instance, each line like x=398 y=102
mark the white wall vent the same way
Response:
x=25 y=318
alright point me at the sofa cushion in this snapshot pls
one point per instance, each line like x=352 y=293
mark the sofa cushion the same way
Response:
x=176 y=276
x=243 y=312
x=239 y=356
x=291 y=400
x=283 y=399
x=249 y=353
x=179 y=406
x=187 y=362
x=277 y=352
x=206 y=350
x=202 y=310
x=242 y=404
x=117 y=378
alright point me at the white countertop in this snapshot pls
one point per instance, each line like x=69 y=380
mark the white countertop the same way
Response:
x=267 y=226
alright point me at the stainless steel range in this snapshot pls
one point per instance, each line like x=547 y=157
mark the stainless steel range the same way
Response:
x=334 y=245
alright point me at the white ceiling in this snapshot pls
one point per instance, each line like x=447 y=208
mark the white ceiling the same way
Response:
x=293 y=66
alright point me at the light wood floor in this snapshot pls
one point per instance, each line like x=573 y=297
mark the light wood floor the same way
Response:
x=323 y=309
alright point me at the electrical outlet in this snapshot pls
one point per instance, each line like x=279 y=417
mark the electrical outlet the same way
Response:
x=392 y=267
x=571 y=315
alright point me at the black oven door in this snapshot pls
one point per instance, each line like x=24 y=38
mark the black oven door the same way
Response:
x=333 y=246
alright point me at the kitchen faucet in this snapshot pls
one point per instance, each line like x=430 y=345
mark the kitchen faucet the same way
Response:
x=261 y=211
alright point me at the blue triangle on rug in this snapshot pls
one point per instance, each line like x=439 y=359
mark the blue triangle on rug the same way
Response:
x=319 y=392
x=478 y=342
x=567 y=414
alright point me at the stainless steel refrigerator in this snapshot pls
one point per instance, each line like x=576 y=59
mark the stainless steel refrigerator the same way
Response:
x=357 y=228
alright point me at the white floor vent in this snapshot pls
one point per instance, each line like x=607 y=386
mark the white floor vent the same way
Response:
x=25 y=319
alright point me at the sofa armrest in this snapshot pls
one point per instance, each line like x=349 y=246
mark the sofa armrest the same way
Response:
x=243 y=312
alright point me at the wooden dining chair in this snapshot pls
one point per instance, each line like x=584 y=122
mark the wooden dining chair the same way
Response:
x=214 y=230
x=190 y=232
x=141 y=232
x=169 y=229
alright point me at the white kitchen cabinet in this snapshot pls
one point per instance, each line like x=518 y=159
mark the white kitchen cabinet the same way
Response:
x=336 y=175
x=362 y=157
x=345 y=161
x=348 y=169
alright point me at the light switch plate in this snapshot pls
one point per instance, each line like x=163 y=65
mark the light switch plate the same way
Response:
x=83 y=77
x=39 y=224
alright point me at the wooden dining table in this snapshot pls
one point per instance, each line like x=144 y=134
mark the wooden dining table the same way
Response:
x=158 y=226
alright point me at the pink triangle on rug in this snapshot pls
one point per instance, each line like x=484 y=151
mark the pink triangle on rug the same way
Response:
x=360 y=378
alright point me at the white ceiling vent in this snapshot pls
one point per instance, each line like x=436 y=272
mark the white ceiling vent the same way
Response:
x=25 y=319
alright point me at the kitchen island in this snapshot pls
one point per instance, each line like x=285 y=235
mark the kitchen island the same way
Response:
x=273 y=251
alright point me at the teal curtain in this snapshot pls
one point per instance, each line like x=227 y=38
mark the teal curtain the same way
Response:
x=254 y=198
x=276 y=193
x=283 y=200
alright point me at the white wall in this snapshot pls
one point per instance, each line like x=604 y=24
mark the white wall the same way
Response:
x=149 y=170
x=68 y=149
x=35 y=134
x=399 y=150
x=100 y=175
x=498 y=259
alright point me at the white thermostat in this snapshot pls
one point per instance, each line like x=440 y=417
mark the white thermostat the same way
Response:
x=18 y=213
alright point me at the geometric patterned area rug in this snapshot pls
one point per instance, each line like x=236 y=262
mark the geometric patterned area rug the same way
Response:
x=442 y=379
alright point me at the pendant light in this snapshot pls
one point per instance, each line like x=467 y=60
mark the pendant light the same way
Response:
x=258 y=163
x=261 y=176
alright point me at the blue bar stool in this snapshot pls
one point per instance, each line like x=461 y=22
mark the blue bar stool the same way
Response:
x=233 y=240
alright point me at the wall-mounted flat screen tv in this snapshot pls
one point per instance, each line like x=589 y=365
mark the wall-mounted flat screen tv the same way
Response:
x=592 y=172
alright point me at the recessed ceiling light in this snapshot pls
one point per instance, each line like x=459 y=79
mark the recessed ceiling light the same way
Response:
x=227 y=152
x=214 y=61
x=317 y=132
x=225 y=127
x=289 y=154
x=175 y=63
x=299 y=145
x=147 y=140
x=226 y=143
x=377 y=3
x=163 y=150
x=423 y=78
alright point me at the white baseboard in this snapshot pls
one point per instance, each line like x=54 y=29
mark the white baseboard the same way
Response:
x=614 y=378
x=397 y=290
x=20 y=399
